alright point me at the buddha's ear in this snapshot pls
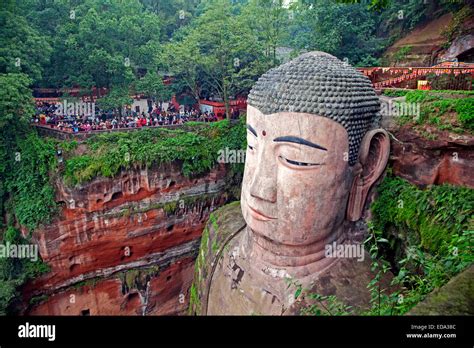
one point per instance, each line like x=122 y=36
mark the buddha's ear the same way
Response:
x=373 y=156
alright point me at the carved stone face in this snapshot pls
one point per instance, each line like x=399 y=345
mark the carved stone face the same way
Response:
x=297 y=177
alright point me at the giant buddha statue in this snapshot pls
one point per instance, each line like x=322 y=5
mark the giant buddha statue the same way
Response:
x=313 y=155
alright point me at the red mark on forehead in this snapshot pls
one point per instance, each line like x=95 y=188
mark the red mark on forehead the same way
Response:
x=264 y=133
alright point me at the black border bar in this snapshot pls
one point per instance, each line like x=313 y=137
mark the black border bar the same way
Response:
x=135 y=331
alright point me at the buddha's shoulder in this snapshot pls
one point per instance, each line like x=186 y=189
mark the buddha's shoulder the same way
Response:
x=223 y=225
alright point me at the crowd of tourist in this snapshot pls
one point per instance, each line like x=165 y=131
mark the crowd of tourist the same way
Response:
x=101 y=120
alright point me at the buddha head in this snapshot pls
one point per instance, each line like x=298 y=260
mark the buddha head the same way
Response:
x=312 y=154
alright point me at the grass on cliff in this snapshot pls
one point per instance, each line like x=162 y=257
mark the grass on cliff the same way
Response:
x=14 y=272
x=403 y=92
x=197 y=150
x=444 y=110
x=28 y=181
x=434 y=214
x=34 y=164
x=423 y=236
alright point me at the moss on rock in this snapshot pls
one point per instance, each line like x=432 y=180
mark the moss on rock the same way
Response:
x=222 y=223
x=454 y=298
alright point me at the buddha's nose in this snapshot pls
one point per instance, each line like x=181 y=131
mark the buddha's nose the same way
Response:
x=263 y=184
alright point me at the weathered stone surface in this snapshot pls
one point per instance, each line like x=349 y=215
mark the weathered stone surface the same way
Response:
x=164 y=293
x=459 y=46
x=320 y=84
x=226 y=274
x=447 y=159
x=426 y=41
x=223 y=224
x=141 y=218
x=454 y=298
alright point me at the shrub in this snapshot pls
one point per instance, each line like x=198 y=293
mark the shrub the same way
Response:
x=196 y=150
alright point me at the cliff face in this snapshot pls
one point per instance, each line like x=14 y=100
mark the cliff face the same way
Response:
x=449 y=158
x=125 y=245
x=429 y=43
x=425 y=42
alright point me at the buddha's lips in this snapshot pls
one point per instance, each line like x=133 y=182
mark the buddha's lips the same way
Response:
x=259 y=215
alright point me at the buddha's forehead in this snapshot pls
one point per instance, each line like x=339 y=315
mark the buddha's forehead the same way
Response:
x=293 y=122
x=320 y=84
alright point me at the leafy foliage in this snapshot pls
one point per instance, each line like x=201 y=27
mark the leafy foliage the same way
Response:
x=152 y=86
x=319 y=305
x=22 y=48
x=115 y=99
x=114 y=43
x=395 y=92
x=97 y=43
x=437 y=227
x=25 y=159
x=437 y=107
x=15 y=99
x=402 y=52
x=196 y=149
x=465 y=111
x=14 y=272
x=26 y=194
x=435 y=214
x=418 y=95
x=29 y=183
x=354 y=37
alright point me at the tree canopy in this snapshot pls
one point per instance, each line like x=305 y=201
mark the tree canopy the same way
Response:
x=211 y=47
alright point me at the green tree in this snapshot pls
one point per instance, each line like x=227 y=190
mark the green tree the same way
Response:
x=22 y=48
x=226 y=57
x=268 y=19
x=354 y=37
x=152 y=86
x=172 y=14
x=103 y=44
x=182 y=60
x=16 y=101
x=115 y=100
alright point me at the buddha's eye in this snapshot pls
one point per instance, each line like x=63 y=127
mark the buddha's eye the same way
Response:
x=297 y=163
x=250 y=147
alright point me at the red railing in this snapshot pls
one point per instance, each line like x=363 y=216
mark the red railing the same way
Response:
x=392 y=76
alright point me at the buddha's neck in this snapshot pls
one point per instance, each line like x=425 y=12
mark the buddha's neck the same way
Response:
x=297 y=261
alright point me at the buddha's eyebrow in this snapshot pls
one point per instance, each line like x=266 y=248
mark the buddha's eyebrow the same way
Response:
x=296 y=140
x=250 y=128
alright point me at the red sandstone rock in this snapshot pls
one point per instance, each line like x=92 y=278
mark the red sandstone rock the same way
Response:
x=142 y=218
x=448 y=159
x=168 y=293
